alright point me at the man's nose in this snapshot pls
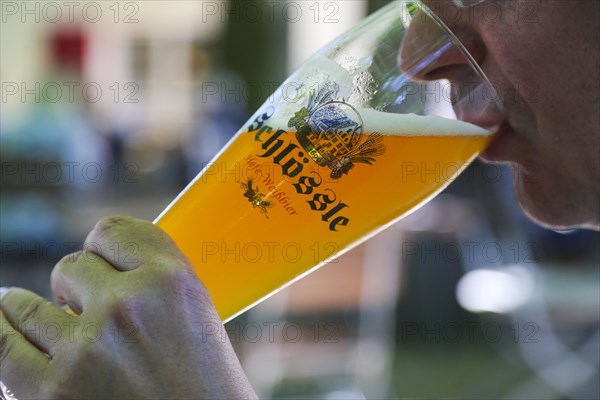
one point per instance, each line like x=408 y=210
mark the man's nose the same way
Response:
x=430 y=52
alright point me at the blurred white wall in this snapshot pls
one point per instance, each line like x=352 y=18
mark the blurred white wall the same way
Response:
x=313 y=24
x=157 y=106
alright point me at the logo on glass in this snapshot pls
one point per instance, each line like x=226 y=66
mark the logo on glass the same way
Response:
x=331 y=132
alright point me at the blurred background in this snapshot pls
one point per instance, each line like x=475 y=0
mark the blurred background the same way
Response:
x=112 y=107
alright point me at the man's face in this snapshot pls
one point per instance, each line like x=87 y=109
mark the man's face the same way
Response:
x=543 y=59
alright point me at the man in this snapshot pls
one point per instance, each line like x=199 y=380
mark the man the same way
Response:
x=552 y=132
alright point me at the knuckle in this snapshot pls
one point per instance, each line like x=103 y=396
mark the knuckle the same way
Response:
x=8 y=341
x=126 y=310
x=108 y=227
x=56 y=274
x=59 y=268
x=68 y=259
x=184 y=283
x=5 y=346
x=90 y=256
x=31 y=310
x=182 y=273
x=115 y=235
x=108 y=223
x=171 y=273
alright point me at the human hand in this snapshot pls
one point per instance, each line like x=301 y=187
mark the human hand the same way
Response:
x=146 y=328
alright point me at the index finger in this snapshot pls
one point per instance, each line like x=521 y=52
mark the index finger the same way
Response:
x=22 y=365
x=129 y=243
x=37 y=319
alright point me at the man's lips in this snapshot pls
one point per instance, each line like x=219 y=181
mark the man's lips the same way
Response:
x=499 y=148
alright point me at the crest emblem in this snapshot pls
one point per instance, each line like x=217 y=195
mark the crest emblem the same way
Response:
x=331 y=132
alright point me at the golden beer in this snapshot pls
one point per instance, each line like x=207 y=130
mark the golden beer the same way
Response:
x=265 y=212
x=336 y=154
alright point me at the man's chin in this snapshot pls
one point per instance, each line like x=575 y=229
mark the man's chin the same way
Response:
x=551 y=210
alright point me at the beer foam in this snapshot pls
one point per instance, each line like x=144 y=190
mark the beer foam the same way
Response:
x=417 y=125
x=402 y=124
x=320 y=69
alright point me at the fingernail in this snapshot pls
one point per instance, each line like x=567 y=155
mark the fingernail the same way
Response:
x=3 y=291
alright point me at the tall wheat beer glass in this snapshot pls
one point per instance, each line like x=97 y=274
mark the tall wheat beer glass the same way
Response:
x=350 y=143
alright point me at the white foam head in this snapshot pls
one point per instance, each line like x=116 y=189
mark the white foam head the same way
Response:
x=417 y=125
x=318 y=70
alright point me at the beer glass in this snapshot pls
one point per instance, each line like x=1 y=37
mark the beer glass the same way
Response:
x=355 y=139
